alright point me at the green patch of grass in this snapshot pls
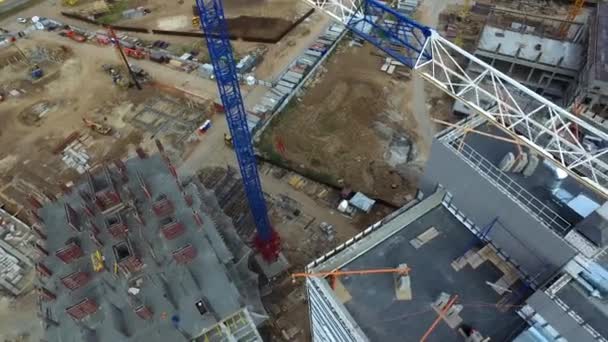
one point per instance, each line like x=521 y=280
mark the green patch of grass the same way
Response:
x=115 y=13
x=15 y=10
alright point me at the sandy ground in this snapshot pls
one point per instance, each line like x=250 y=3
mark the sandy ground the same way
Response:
x=348 y=126
x=18 y=318
x=281 y=54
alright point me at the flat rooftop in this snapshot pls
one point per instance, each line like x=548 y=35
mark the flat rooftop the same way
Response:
x=592 y=310
x=538 y=184
x=371 y=299
x=505 y=42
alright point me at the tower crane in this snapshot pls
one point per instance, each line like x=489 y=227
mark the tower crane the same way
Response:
x=213 y=23
x=535 y=121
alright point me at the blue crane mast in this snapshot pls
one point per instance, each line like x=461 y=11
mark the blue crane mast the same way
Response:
x=215 y=29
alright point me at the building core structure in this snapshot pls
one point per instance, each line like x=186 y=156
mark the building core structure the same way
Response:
x=135 y=252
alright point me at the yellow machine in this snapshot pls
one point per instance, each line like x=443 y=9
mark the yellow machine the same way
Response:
x=70 y=2
x=97 y=127
x=228 y=140
x=97 y=261
x=196 y=22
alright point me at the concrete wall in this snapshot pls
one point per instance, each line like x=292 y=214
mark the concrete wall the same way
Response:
x=535 y=248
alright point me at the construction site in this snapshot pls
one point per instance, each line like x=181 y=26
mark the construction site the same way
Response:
x=278 y=170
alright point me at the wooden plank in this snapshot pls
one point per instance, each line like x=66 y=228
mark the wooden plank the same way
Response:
x=341 y=292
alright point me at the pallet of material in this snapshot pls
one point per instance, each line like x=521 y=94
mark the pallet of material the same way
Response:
x=299 y=68
x=319 y=48
x=330 y=37
x=290 y=79
x=284 y=90
x=277 y=93
x=313 y=53
x=324 y=41
x=294 y=74
x=307 y=61
x=284 y=83
x=274 y=96
x=259 y=109
x=269 y=103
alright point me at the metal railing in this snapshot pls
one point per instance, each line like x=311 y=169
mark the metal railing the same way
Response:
x=510 y=187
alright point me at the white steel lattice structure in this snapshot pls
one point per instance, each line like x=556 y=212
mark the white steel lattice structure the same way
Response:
x=542 y=125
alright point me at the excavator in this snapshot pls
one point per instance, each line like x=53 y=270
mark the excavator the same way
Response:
x=97 y=127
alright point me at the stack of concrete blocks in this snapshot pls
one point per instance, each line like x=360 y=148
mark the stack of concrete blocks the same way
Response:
x=407 y=7
x=76 y=157
x=10 y=271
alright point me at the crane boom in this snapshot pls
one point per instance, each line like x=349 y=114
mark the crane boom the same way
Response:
x=399 y=270
x=214 y=25
x=517 y=110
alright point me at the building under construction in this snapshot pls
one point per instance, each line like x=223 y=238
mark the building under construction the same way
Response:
x=564 y=61
x=136 y=253
x=500 y=243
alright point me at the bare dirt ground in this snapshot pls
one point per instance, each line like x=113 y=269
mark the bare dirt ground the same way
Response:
x=76 y=87
x=69 y=91
x=349 y=125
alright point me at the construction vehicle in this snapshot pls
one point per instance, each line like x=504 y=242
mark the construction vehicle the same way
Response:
x=97 y=261
x=123 y=58
x=73 y=35
x=70 y=2
x=36 y=72
x=134 y=53
x=97 y=127
x=228 y=140
x=196 y=22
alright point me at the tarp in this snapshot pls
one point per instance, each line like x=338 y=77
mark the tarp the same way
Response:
x=362 y=202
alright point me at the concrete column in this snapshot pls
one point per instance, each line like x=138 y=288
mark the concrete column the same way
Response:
x=547 y=84
x=516 y=57
x=530 y=74
x=604 y=110
x=511 y=68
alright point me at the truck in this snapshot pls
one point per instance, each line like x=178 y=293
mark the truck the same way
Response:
x=73 y=35
x=134 y=53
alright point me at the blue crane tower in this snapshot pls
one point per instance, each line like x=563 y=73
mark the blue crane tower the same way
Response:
x=215 y=29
